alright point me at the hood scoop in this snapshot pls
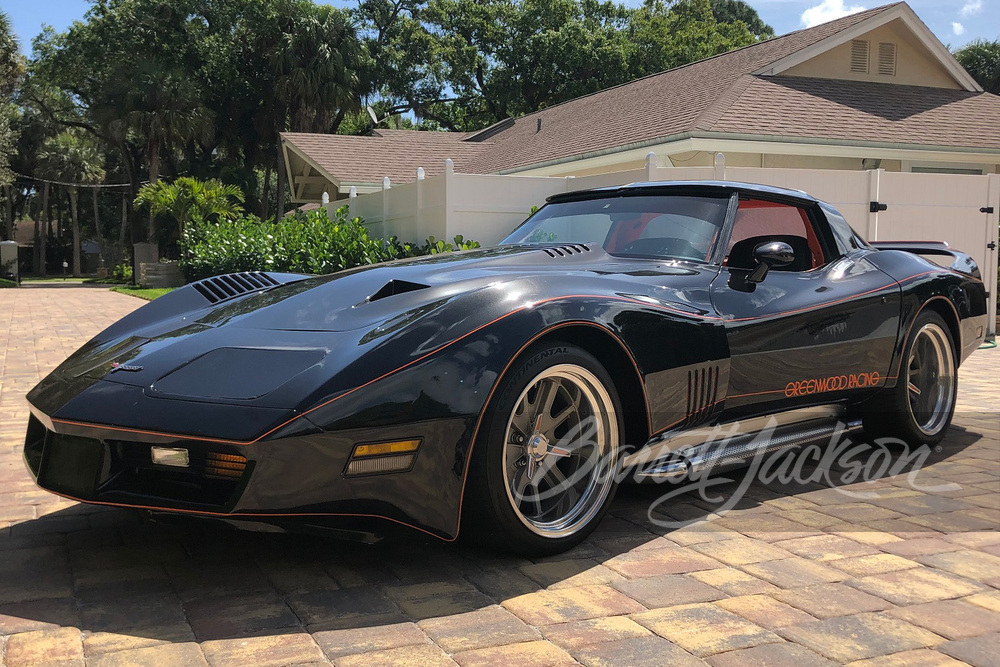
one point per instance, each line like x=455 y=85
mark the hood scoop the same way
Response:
x=232 y=285
x=394 y=287
x=566 y=250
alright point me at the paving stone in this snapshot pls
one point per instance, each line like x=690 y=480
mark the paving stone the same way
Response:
x=427 y=655
x=921 y=657
x=98 y=643
x=493 y=626
x=572 y=604
x=237 y=616
x=528 y=654
x=63 y=646
x=989 y=600
x=916 y=585
x=570 y=573
x=977 y=651
x=765 y=611
x=770 y=655
x=175 y=655
x=860 y=636
x=863 y=566
x=829 y=600
x=349 y=641
x=576 y=634
x=969 y=564
x=447 y=604
x=668 y=590
x=740 y=551
x=502 y=584
x=636 y=652
x=265 y=651
x=346 y=607
x=826 y=547
x=654 y=562
x=704 y=629
x=734 y=582
x=952 y=619
x=794 y=572
x=38 y=615
x=920 y=546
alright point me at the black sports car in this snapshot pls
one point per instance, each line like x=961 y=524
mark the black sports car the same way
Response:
x=505 y=389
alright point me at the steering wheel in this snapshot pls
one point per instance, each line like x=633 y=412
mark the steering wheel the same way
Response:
x=664 y=247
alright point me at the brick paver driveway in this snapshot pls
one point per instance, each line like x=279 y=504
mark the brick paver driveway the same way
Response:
x=794 y=575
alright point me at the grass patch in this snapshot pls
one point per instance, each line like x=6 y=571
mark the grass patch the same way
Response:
x=147 y=294
x=7 y=283
x=54 y=279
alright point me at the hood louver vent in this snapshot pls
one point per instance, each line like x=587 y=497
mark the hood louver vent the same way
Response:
x=232 y=285
x=566 y=250
x=394 y=287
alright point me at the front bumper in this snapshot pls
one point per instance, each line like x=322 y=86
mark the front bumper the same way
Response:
x=296 y=481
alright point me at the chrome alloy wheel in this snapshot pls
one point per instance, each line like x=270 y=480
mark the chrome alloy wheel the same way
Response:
x=560 y=451
x=930 y=379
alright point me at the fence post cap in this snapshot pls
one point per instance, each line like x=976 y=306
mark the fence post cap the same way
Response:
x=449 y=166
x=353 y=192
x=385 y=183
x=326 y=198
x=420 y=173
x=650 y=158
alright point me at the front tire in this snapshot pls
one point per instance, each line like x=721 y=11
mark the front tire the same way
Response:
x=920 y=407
x=547 y=456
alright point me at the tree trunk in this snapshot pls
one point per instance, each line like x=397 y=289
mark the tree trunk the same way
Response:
x=36 y=248
x=8 y=211
x=265 y=199
x=46 y=223
x=74 y=214
x=154 y=176
x=280 y=210
x=97 y=223
x=124 y=227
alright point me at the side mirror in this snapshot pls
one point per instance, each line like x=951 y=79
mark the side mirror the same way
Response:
x=770 y=254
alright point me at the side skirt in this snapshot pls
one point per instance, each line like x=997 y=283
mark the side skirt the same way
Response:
x=730 y=445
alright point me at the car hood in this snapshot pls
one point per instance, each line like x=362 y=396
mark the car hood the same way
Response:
x=362 y=297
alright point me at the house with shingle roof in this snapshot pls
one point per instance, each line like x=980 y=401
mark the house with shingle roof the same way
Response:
x=874 y=89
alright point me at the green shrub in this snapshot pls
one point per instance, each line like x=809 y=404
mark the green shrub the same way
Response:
x=7 y=283
x=304 y=243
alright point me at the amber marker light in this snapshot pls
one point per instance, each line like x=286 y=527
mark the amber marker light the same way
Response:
x=382 y=457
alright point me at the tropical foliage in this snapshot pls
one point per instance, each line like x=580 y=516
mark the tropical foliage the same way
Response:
x=311 y=243
x=189 y=199
x=981 y=58
x=164 y=89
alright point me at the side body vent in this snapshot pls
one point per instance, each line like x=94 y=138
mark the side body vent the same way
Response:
x=702 y=392
x=887 y=59
x=859 y=56
x=232 y=285
x=566 y=250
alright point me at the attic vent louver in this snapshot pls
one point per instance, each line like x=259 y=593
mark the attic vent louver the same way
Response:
x=859 y=56
x=887 y=58
x=232 y=285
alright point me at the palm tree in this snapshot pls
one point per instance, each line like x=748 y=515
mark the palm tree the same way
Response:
x=188 y=199
x=72 y=157
x=315 y=64
x=164 y=110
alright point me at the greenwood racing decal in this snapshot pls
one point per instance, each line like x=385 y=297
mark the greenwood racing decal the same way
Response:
x=832 y=383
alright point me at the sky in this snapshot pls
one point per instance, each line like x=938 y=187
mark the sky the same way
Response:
x=955 y=22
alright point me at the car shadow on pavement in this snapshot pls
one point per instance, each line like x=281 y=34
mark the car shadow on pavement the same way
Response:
x=128 y=583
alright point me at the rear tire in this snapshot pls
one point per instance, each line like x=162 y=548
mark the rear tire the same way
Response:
x=546 y=459
x=920 y=407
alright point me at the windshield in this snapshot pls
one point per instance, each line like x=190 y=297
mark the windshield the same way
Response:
x=664 y=226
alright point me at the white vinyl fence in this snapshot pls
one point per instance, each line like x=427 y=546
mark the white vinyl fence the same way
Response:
x=960 y=209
